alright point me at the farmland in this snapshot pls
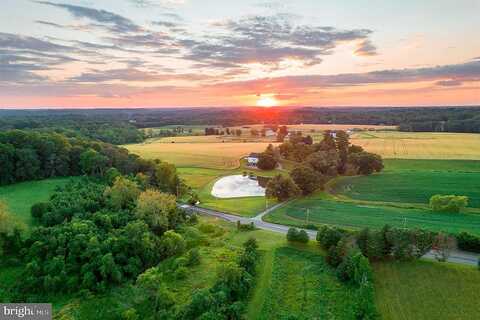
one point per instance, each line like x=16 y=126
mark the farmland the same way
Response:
x=408 y=145
x=214 y=155
x=415 y=182
x=426 y=290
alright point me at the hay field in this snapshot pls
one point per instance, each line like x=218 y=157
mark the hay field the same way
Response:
x=420 y=145
x=215 y=155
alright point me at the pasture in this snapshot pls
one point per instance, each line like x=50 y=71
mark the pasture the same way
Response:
x=419 y=145
x=21 y=196
x=426 y=290
x=301 y=283
x=415 y=182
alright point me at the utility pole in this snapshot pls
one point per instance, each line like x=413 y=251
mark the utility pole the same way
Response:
x=308 y=215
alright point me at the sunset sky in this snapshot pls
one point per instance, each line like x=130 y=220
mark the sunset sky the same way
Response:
x=169 y=53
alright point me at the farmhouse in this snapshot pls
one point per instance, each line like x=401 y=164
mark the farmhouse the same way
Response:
x=270 y=133
x=252 y=159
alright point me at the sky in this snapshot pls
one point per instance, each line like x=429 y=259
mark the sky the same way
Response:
x=212 y=53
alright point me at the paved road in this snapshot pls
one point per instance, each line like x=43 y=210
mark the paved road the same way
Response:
x=457 y=256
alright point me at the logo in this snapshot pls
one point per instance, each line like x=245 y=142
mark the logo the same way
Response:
x=25 y=311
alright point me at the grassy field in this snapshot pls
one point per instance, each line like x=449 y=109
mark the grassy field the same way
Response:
x=322 y=209
x=427 y=290
x=213 y=155
x=21 y=196
x=302 y=284
x=415 y=182
x=420 y=145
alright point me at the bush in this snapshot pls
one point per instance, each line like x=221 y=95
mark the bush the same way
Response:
x=181 y=273
x=294 y=235
x=38 y=209
x=468 y=242
x=329 y=236
x=448 y=203
x=193 y=257
x=245 y=227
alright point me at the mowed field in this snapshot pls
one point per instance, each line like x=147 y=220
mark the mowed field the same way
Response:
x=425 y=290
x=420 y=145
x=415 y=181
x=214 y=155
x=21 y=196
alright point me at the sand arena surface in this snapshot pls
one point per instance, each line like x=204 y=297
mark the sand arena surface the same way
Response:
x=237 y=186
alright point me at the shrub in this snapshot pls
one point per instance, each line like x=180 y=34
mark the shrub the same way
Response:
x=448 y=203
x=38 y=209
x=181 y=273
x=193 y=257
x=333 y=257
x=329 y=236
x=468 y=242
x=245 y=227
x=294 y=235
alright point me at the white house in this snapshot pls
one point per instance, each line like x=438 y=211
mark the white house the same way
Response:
x=252 y=159
x=270 y=133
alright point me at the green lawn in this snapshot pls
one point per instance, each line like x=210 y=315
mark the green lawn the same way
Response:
x=425 y=290
x=302 y=284
x=415 y=181
x=21 y=196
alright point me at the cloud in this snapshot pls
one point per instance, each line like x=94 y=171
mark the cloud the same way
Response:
x=366 y=48
x=133 y=75
x=450 y=75
x=13 y=41
x=111 y=21
x=449 y=83
x=269 y=40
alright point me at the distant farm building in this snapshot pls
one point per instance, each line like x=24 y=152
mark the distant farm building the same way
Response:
x=270 y=133
x=252 y=159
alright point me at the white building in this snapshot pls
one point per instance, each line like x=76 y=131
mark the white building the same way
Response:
x=252 y=159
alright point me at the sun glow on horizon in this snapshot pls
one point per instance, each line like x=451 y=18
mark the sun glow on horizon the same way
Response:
x=267 y=102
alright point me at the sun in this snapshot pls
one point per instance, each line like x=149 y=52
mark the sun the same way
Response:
x=267 y=102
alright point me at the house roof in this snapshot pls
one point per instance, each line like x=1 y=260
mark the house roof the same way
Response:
x=254 y=155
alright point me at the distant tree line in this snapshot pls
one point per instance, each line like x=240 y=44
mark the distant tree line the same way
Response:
x=98 y=123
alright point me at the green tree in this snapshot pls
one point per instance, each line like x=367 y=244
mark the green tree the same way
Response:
x=172 y=243
x=27 y=164
x=282 y=188
x=7 y=164
x=324 y=162
x=448 y=203
x=306 y=179
x=342 y=143
x=366 y=163
x=158 y=210
x=92 y=162
x=123 y=193
x=266 y=161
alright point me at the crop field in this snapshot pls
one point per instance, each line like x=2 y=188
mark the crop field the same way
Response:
x=420 y=145
x=415 y=182
x=215 y=155
x=426 y=290
x=304 y=285
x=21 y=196
x=322 y=209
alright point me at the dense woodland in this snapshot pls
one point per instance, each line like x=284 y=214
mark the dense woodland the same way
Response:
x=118 y=126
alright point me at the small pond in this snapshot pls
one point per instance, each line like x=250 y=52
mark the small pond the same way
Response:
x=237 y=186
